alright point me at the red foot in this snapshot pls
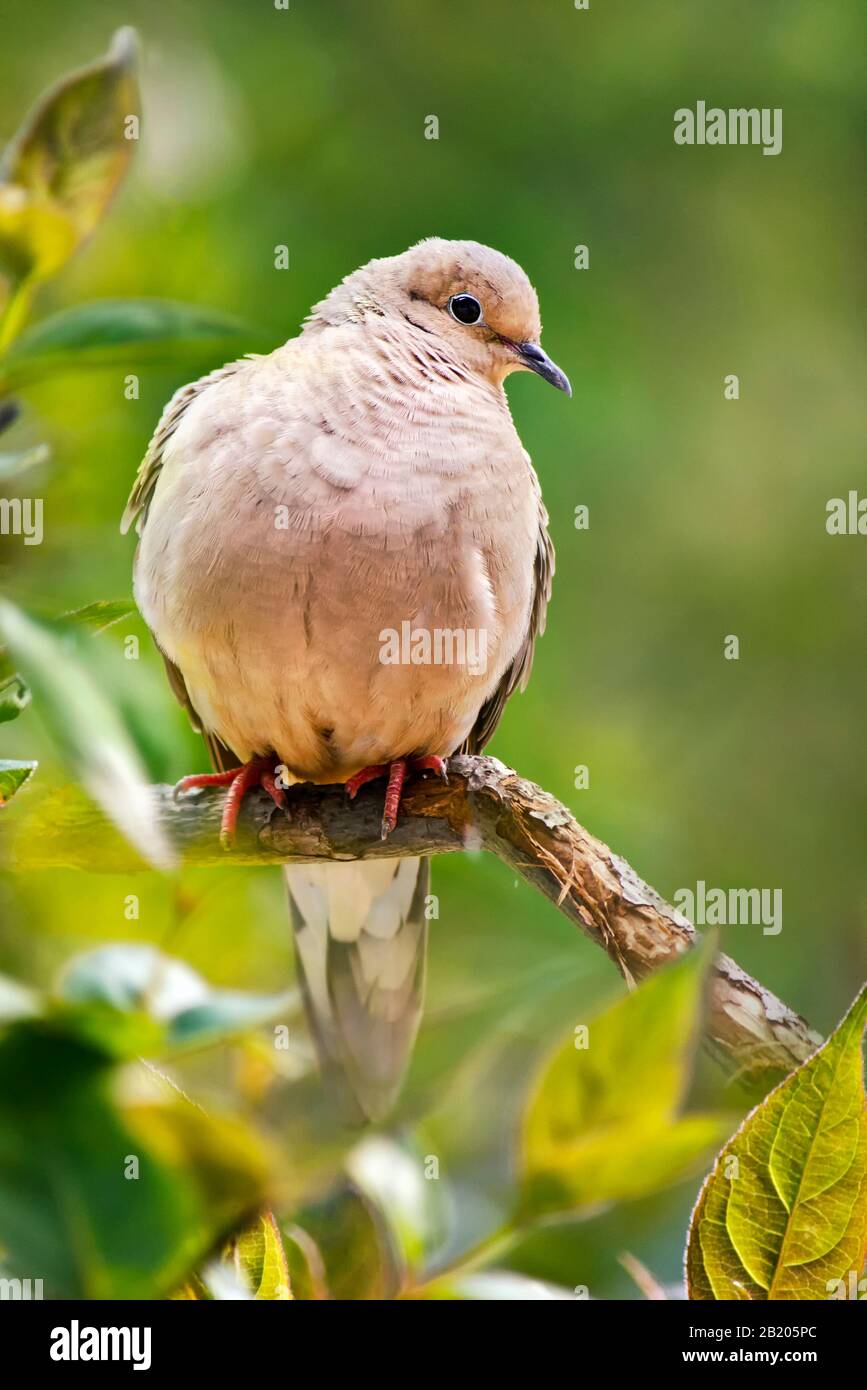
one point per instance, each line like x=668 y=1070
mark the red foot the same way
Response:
x=257 y=773
x=396 y=773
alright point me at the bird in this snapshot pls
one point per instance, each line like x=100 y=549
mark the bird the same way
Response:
x=295 y=511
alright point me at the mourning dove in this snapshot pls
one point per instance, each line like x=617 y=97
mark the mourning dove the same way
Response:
x=345 y=563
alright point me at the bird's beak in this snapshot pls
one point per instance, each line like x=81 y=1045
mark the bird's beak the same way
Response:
x=535 y=360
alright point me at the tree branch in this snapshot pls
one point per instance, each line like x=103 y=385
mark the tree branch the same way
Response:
x=484 y=805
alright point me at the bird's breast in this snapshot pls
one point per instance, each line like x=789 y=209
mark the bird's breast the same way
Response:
x=339 y=595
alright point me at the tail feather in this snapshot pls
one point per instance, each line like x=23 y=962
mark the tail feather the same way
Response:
x=361 y=943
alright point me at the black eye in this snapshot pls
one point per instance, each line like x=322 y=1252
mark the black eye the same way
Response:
x=465 y=308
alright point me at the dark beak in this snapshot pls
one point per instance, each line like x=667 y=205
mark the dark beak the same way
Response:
x=539 y=362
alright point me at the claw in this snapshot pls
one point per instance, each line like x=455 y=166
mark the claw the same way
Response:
x=396 y=778
x=259 y=772
x=397 y=773
x=367 y=774
x=430 y=763
x=205 y=779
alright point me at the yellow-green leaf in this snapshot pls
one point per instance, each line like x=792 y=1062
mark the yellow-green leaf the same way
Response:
x=73 y=149
x=36 y=237
x=602 y=1123
x=783 y=1215
x=230 y=1164
x=260 y=1260
x=621 y=1163
x=13 y=775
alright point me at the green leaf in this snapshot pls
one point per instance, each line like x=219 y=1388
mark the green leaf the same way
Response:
x=101 y=614
x=350 y=1235
x=392 y=1176
x=132 y=999
x=104 y=1200
x=602 y=1121
x=783 y=1215
x=63 y=167
x=307 y=1279
x=259 y=1260
x=86 y=728
x=14 y=696
x=97 y=616
x=225 y=1014
x=134 y=331
x=13 y=775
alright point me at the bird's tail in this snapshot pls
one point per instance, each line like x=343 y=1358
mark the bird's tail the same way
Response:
x=360 y=945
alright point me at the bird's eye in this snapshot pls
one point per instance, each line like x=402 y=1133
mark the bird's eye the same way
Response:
x=465 y=308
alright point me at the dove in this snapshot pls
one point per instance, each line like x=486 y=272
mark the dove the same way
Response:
x=295 y=511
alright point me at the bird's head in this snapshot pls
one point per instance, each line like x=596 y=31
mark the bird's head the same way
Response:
x=477 y=304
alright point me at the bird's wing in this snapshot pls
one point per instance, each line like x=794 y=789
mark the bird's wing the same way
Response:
x=146 y=479
x=518 y=673
x=136 y=510
x=222 y=757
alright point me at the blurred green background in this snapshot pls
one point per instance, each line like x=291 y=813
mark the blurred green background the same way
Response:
x=707 y=517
